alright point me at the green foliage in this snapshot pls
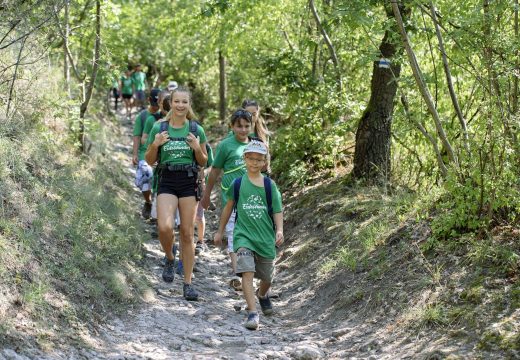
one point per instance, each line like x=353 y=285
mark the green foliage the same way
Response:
x=67 y=236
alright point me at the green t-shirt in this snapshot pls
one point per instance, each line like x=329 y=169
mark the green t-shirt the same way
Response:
x=229 y=158
x=139 y=79
x=138 y=131
x=126 y=85
x=176 y=152
x=254 y=228
x=149 y=122
x=210 y=156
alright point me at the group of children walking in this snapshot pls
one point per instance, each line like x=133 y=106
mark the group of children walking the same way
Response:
x=131 y=87
x=167 y=137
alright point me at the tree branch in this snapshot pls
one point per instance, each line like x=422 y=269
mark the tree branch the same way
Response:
x=22 y=45
x=449 y=81
x=327 y=41
x=67 y=49
x=422 y=85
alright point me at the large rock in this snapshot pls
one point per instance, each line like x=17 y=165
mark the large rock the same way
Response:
x=307 y=352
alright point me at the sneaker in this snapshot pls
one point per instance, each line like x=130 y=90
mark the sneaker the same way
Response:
x=164 y=260
x=189 y=293
x=199 y=247
x=146 y=212
x=265 y=304
x=168 y=273
x=180 y=269
x=252 y=321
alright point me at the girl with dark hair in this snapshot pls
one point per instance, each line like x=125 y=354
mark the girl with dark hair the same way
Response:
x=229 y=160
x=259 y=126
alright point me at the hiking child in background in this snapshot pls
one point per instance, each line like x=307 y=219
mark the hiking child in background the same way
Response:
x=114 y=89
x=259 y=127
x=179 y=153
x=229 y=159
x=126 y=90
x=144 y=172
x=139 y=80
x=258 y=229
x=165 y=107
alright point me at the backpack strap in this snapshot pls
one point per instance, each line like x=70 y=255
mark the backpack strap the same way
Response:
x=163 y=127
x=236 y=194
x=269 y=198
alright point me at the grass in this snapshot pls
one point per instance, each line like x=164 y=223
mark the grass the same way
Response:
x=68 y=231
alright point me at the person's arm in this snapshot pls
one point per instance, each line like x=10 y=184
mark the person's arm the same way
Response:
x=224 y=218
x=212 y=179
x=135 y=149
x=278 y=222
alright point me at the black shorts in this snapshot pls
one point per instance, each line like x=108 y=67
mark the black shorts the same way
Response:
x=127 y=96
x=115 y=92
x=177 y=183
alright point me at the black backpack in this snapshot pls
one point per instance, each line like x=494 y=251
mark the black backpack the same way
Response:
x=268 y=196
x=143 y=118
x=192 y=128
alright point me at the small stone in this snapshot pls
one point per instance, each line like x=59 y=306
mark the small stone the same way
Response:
x=307 y=352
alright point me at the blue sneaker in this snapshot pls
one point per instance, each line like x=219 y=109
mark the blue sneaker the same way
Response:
x=165 y=259
x=252 y=321
x=168 y=274
x=190 y=293
x=180 y=268
x=265 y=304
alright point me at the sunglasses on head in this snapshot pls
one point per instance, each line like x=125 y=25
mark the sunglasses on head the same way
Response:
x=242 y=114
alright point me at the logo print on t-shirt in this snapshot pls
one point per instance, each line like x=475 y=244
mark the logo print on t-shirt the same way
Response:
x=254 y=207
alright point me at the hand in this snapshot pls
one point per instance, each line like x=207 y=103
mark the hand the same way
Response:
x=217 y=239
x=193 y=141
x=279 y=238
x=134 y=160
x=161 y=138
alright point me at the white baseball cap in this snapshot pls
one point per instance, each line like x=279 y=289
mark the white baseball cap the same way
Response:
x=172 y=85
x=256 y=146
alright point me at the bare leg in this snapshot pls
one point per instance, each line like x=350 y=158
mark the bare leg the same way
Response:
x=187 y=208
x=264 y=288
x=166 y=205
x=248 y=290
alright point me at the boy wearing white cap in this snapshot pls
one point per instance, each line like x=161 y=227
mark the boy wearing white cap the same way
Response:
x=258 y=229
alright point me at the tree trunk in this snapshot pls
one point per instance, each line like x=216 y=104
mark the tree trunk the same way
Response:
x=90 y=88
x=517 y=66
x=373 y=136
x=222 y=85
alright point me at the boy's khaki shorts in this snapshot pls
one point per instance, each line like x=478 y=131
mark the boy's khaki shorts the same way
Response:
x=248 y=261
